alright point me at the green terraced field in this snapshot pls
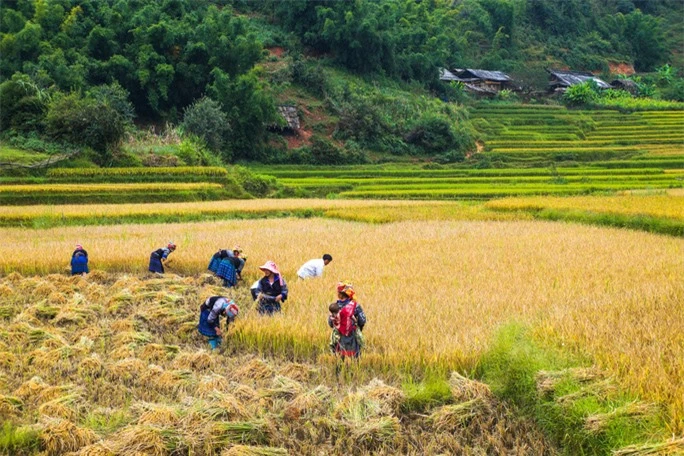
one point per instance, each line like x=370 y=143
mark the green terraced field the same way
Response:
x=618 y=152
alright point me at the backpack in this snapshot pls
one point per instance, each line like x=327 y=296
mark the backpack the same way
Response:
x=347 y=321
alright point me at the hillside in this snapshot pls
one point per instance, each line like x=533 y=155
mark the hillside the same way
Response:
x=363 y=76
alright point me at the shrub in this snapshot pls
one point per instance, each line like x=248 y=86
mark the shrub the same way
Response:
x=581 y=94
x=205 y=119
x=437 y=134
x=23 y=104
x=86 y=121
x=256 y=184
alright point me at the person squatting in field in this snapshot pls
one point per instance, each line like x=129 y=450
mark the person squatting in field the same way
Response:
x=228 y=265
x=314 y=268
x=269 y=291
x=160 y=257
x=79 y=261
x=347 y=321
x=210 y=315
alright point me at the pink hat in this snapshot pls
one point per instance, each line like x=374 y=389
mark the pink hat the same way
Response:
x=79 y=247
x=271 y=266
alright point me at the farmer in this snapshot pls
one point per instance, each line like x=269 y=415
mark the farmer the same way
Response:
x=347 y=320
x=210 y=315
x=314 y=268
x=160 y=257
x=269 y=291
x=228 y=264
x=79 y=261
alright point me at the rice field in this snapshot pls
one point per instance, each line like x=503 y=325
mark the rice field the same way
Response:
x=447 y=284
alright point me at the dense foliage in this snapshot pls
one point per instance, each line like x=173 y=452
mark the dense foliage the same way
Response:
x=203 y=63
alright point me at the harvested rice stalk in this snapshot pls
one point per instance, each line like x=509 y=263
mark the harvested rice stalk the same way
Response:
x=126 y=369
x=548 y=380
x=60 y=436
x=464 y=389
x=297 y=371
x=389 y=398
x=602 y=389
x=91 y=366
x=156 y=414
x=246 y=450
x=670 y=448
x=96 y=449
x=208 y=384
x=225 y=406
x=200 y=360
x=10 y=406
x=598 y=422
x=316 y=401
x=254 y=370
x=357 y=407
x=7 y=360
x=451 y=418
x=283 y=387
x=243 y=392
x=145 y=439
x=377 y=431
x=157 y=352
x=246 y=432
x=62 y=407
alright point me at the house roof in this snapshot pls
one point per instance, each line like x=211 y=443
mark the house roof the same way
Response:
x=484 y=74
x=570 y=78
x=446 y=75
x=470 y=75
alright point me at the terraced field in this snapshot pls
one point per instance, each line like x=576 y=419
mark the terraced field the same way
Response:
x=537 y=150
x=120 y=185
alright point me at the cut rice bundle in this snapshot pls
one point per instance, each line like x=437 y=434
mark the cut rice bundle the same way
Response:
x=246 y=450
x=61 y=436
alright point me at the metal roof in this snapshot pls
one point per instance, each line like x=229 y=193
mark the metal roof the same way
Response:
x=486 y=74
x=570 y=78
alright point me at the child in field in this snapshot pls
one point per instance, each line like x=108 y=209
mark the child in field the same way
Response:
x=334 y=317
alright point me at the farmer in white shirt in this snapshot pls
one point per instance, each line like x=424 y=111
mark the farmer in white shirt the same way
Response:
x=314 y=268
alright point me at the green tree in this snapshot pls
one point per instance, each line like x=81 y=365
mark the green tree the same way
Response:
x=205 y=119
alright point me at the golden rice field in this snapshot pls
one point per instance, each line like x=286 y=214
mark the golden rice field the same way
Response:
x=666 y=205
x=77 y=188
x=615 y=296
x=111 y=365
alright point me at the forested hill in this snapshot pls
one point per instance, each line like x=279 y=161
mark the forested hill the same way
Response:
x=152 y=60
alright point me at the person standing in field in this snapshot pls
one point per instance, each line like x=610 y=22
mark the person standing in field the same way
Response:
x=79 y=261
x=210 y=318
x=269 y=291
x=314 y=268
x=347 y=320
x=160 y=257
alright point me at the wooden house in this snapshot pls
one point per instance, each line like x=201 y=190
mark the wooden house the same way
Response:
x=483 y=82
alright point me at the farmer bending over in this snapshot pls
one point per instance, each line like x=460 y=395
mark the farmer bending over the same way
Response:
x=159 y=258
x=210 y=315
x=79 y=261
x=314 y=268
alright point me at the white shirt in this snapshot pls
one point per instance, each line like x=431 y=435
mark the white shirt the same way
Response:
x=312 y=268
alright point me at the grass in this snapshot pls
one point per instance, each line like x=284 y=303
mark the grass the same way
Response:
x=578 y=406
x=10 y=154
